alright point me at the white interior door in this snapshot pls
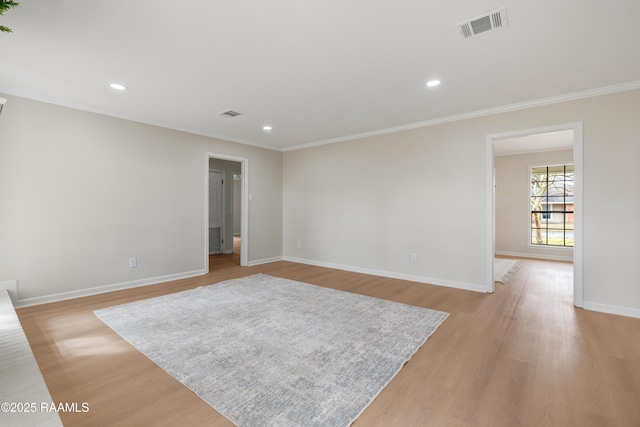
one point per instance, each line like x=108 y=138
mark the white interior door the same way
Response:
x=216 y=215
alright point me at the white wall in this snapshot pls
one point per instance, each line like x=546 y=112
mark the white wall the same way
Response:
x=512 y=204
x=82 y=193
x=367 y=204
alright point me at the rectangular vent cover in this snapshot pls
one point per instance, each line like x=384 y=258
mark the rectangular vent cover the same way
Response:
x=230 y=113
x=489 y=21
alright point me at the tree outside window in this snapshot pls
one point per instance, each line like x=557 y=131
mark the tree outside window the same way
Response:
x=4 y=6
x=552 y=202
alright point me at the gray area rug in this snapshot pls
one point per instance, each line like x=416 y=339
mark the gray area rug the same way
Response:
x=265 y=351
x=505 y=269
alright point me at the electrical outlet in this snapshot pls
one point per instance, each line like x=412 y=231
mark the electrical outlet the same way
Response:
x=299 y=245
x=133 y=262
x=414 y=257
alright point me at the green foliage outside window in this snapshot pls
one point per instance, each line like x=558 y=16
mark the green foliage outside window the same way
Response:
x=4 y=6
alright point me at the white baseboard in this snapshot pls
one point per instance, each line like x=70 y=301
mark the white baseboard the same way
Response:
x=106 y=288
x=393 y=275
x=612 y=309
x=536 y=256
x=264 y=261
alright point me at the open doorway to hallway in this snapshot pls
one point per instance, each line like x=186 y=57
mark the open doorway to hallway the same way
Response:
x=535 y=214
x=226 y=211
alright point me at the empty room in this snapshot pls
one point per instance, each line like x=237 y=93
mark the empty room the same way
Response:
x=319 y=213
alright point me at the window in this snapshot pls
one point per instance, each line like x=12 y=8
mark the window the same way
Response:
x=552 y=205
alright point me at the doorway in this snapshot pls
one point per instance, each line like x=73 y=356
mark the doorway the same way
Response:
x=525 y=136
x=226 y=207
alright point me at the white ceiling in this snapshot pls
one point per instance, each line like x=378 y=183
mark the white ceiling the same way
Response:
x=317 y=71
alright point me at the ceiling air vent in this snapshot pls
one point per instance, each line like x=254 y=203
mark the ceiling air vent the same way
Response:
x=229 y=113
x=489 y=21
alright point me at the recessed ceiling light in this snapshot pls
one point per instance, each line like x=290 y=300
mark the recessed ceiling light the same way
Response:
x=266 y=128
x=433 y=83
x=117 y=86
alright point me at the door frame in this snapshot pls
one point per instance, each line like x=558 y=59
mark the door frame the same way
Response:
x=578 y=290
x=244 y=206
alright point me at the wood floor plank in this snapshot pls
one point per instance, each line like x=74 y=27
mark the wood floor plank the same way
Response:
x=522 y=356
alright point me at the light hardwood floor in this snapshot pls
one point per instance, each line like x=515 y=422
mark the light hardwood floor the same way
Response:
x=523 y=356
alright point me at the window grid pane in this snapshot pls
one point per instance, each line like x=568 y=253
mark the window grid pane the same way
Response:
x=552 y=205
